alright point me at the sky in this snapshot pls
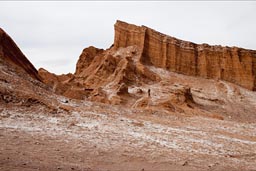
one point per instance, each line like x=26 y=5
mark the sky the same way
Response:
x=53 y=34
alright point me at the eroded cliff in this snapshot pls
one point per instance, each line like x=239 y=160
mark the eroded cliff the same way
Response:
x=231 y=64
x=140 y=71
x=177 y=122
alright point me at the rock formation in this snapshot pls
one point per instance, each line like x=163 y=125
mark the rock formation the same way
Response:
x=20 y=84
x=178 y=109
x=10 y=52
x=231 y=64
x=143 y=60
x=102 y=76
x=177 y=121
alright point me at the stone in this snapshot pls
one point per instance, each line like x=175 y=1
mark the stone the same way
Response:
x=10 y=53
x=233 y=64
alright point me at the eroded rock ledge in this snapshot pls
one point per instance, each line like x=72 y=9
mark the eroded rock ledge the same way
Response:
x=231 y=64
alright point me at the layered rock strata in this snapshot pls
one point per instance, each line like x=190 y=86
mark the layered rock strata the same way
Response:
x=232 y=64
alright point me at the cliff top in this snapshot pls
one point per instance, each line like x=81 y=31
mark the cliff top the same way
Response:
x=174 y=40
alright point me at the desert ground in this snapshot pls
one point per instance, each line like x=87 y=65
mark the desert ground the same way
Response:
x=95 y=136
x=148 y=103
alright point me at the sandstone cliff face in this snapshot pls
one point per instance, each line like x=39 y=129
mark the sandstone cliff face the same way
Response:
x=231 y=64
x=9 y=52
x=140 y=62
x=138 y=76
x=128 y=35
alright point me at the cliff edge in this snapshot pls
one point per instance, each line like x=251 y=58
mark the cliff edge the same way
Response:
x=232 y=64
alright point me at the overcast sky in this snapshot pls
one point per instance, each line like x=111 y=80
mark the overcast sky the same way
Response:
x=53 y=34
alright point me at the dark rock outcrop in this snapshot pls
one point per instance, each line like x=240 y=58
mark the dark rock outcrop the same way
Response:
x=10 y=52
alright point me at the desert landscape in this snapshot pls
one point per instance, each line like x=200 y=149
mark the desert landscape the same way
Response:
x=149 y=102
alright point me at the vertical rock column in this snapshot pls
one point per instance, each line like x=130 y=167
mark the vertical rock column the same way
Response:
x=164 y=52
x=254 y=70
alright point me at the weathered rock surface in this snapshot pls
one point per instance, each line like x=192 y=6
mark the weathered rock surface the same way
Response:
x=102 y=76
x=86 y=58
x=178 y=122
x=136 y=73
x=20 y=85
x=127 y=74
x=231 y=64
x=19 y=90
x=10 y=52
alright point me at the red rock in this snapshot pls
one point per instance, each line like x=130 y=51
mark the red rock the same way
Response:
x=20 y=84
x=86 y=58
x=10 y=52
x=134 y=62
x=101 y=75
x=62 y=84
x=231 y=64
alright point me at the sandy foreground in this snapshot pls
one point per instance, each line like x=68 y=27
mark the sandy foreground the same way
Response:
x=135 y=110
x=102 y=137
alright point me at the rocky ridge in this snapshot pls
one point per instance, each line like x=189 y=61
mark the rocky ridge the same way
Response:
x=120 y=100
x=10 y=52
x=233 y=64
x=134 y=73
